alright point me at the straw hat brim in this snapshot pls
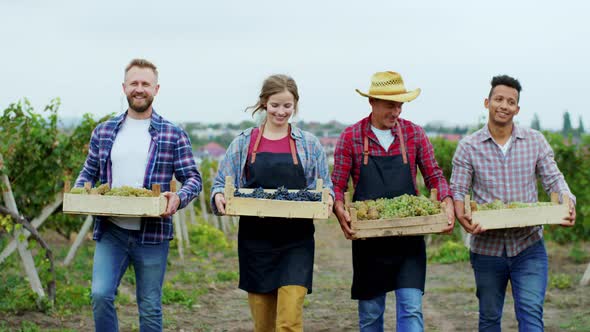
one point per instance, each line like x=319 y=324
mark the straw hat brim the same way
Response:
x=402 y=97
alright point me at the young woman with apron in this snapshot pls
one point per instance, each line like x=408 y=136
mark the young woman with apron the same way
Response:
x=276 y=254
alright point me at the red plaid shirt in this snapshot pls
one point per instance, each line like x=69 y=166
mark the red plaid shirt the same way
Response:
x=349 y=153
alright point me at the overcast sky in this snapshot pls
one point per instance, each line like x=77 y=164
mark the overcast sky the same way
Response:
x=213 y=55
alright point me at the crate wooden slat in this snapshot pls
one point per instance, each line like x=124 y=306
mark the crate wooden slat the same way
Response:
x=396 y=226
x=243 y=206
x=521 y=217
x=122 y=206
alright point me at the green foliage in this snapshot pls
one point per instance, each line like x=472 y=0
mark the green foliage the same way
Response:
x=206 y=239
x=577 y=254
x=567 y=125
x=574 y=162
x=449 y=252
x=208 y=169
x=443 y=152
x=578 y=322
x=227 y=275
x=560 y=281
x=172 y=295
x=39 y=157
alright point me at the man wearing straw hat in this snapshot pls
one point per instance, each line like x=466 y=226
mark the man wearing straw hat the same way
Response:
x=502 y=161
x=382 y=153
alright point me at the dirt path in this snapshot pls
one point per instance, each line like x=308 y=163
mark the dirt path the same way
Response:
x=449 y=303
x=328 y=308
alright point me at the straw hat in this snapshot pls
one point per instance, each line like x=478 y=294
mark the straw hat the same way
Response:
x=389 y=85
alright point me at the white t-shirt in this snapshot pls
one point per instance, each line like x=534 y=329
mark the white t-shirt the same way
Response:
x=504 y=148
x=129 y=159
x=384 y=136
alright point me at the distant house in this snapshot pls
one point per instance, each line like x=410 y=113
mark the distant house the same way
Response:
x=211 y=150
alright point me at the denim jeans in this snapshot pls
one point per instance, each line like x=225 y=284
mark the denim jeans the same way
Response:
x=116 y=249
x=408 y=311
x=527 y=273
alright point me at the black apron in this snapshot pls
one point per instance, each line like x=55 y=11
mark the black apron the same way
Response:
x=383 y=264
x=275 y=252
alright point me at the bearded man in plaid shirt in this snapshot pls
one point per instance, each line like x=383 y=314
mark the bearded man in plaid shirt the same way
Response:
x=138 y=148
x=382 y=153
x=502 y=161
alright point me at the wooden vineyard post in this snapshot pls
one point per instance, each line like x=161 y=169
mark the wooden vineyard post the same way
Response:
x=192 y=214
x=37 y=222
x=181 y=213
x=203 y=206
x=184 y=229
x=78 y=241
x=177 y=227
x=21 y=246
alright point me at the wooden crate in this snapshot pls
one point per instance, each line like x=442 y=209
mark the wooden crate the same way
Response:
x=519 y=217
x=242 y=206
x=121 y=206
x=397 y=226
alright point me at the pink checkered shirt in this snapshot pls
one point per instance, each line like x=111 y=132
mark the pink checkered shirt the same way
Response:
x=480 y=165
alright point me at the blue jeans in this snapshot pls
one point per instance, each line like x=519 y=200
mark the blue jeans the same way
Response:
x=527 y=273
x=408 y=311
x=116 y=249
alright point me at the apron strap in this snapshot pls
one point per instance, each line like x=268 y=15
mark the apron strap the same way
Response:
x=401 y=141
x=366 y=150
x=291 y=146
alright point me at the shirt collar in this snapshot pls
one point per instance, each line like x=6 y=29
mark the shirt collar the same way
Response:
x=517 y=132
x=155 y=122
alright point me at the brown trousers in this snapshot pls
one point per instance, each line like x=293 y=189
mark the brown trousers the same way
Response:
x=279 y=311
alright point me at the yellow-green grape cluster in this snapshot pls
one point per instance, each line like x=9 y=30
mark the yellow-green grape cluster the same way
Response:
x=399 y=207
x=100 y=190
x=104 y=189
x=130 y=191
x=6 y=223
x=498 y=205
x=79 y=191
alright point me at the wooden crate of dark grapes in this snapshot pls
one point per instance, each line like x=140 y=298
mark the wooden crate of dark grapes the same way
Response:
x=513 y=215
x=381 y=227
x=282 y=203
x=94 y=203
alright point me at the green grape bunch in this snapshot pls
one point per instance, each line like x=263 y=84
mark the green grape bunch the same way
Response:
x=399 y=207
x=499 y=205
x=105 y=190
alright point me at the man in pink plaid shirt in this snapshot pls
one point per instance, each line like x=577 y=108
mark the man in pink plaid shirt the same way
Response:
x=502 y=161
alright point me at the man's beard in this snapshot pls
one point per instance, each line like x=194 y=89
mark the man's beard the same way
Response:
x=140 y=108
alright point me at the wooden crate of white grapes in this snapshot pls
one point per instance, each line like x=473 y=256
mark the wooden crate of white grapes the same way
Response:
x=123 y=201
x=399 y=216
x=281 y=202
x=497 y=215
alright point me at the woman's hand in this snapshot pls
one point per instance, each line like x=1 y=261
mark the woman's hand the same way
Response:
x=219 y=199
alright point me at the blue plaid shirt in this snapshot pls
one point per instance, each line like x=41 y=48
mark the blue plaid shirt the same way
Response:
x=170 y=153
x=309 y=149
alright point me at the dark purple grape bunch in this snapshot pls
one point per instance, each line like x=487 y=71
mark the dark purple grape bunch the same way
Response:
x=282 y=194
